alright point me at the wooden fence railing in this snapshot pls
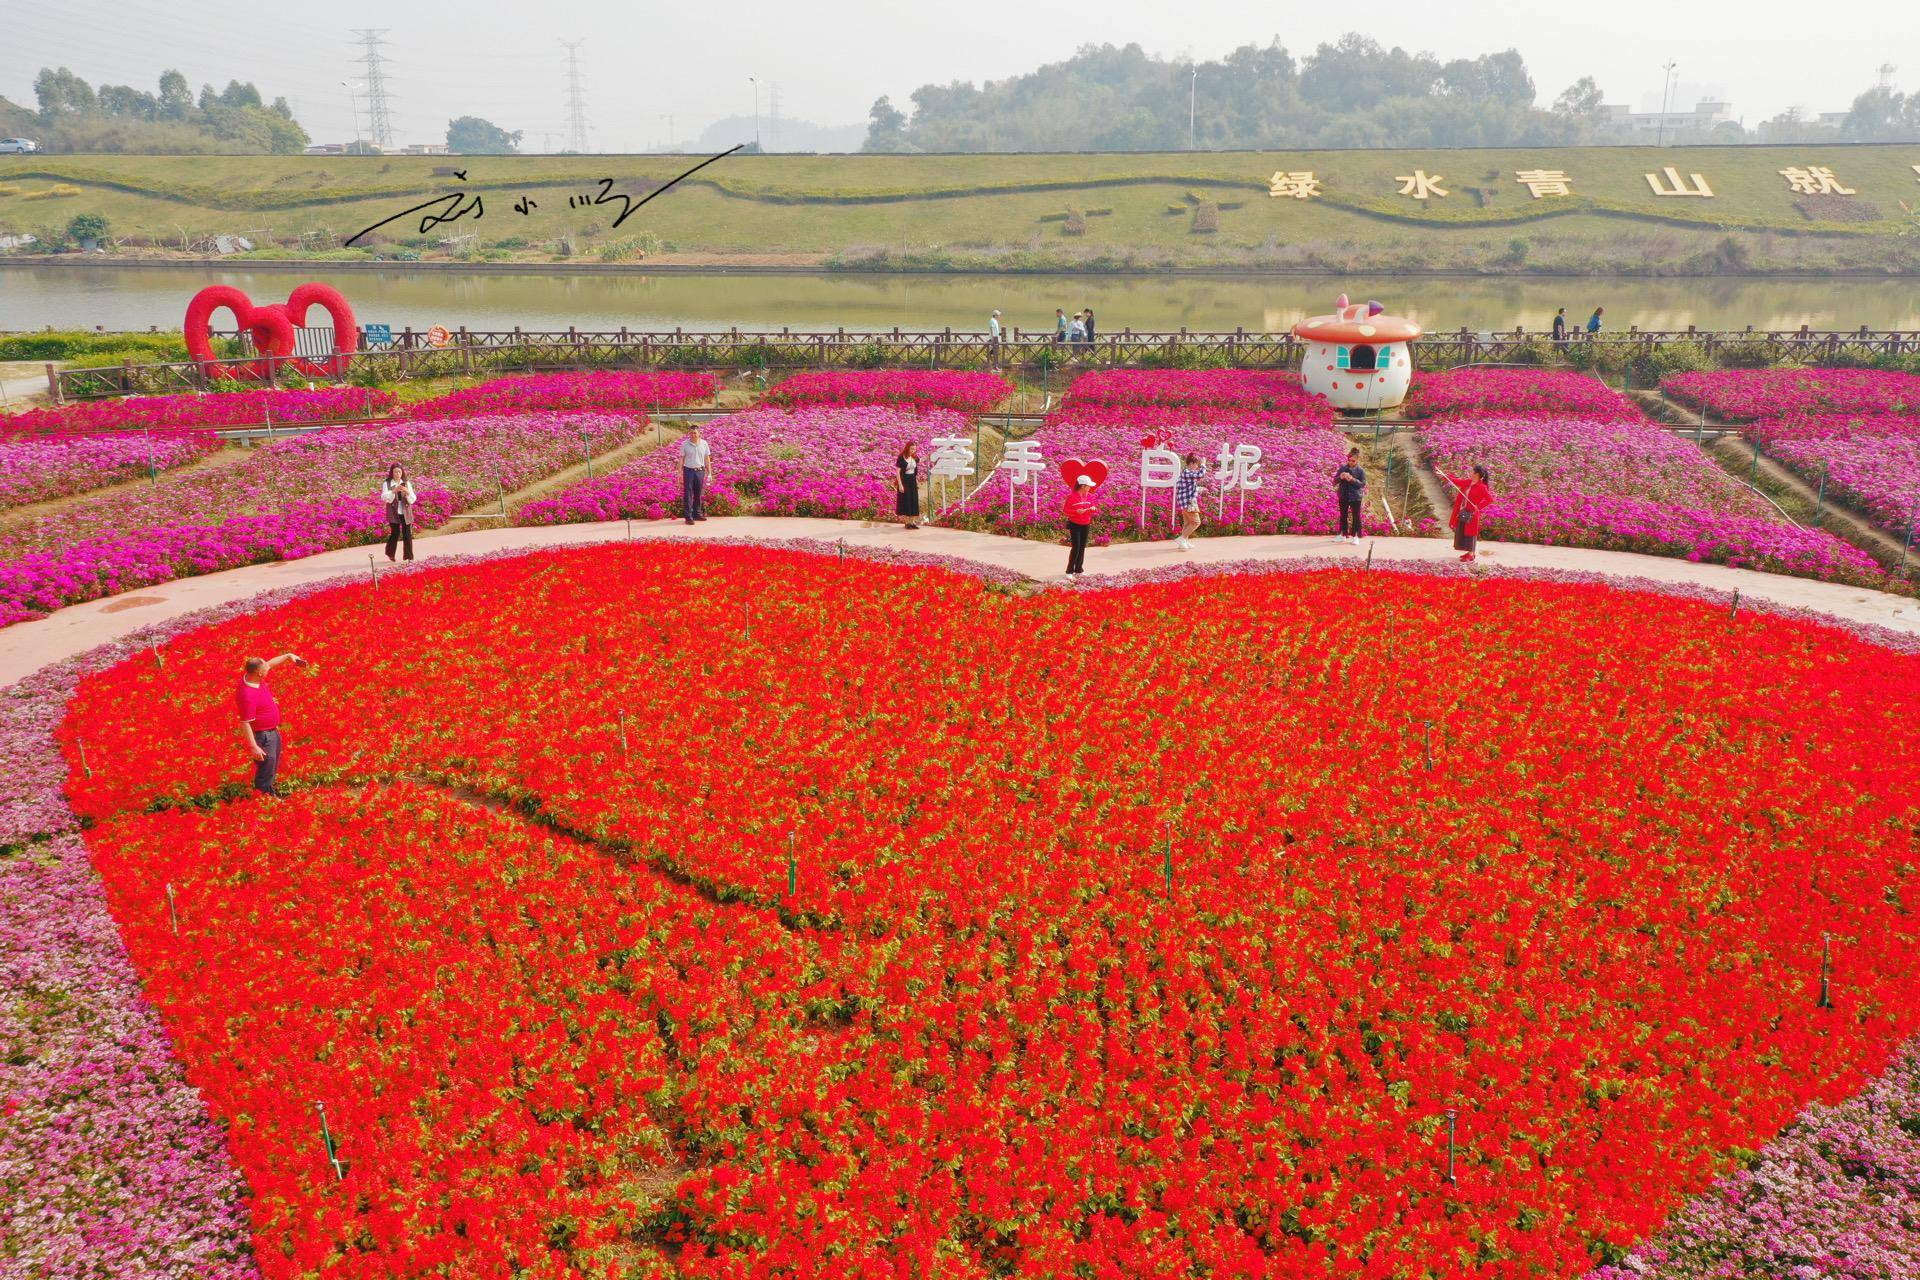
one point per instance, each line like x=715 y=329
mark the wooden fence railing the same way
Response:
x=408 y=354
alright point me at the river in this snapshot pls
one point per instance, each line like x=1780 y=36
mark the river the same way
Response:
x=70 y=297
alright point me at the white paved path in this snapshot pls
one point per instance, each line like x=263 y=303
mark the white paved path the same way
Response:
x=28 y=646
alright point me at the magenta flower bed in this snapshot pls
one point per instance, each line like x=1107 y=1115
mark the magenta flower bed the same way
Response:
x=1516 y=393
x=809 y=462
x=1296 y=479
x=294 y=498
x=599 y=392
x=1744 y=395
x=966 y=392
x=1629 y=486
x=1878 y=473
x=214 y=409
x=1836 y=1196
x=39 y=468
x=1250 y=389
x=109 y=1165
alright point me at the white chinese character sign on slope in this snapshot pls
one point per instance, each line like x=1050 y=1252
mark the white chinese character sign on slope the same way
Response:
x=1301 y=185
x=1816 y=181
x=1237 y=467
x=1159 y=469
x=952 y=459
x=1544 y=182
x=1420 y=184
x=1023 y=464
x=1675 y=186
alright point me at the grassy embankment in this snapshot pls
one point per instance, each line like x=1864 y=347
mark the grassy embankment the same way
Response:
x=1038 y=212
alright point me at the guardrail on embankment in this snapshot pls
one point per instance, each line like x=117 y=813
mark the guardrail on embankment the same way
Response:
x=409 y=355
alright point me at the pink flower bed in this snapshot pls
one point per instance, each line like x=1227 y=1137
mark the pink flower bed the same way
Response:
x=294 y=498
x=1517 y=393
x=966 y=392
x=1873 y=464
x=1245 y=389
x=1629 y=486
x=599 y=392
x=40 y=468
x=1296 y=478
x=1744 y=395
x=815 y=461
x=214 y=409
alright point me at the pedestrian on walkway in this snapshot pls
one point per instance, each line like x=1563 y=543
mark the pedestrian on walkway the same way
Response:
x=696 y=465
x=398 y=495
x=1560 y=327
x=260 y=718
x=1472 y=495
x=1059 y=324
x=1089 y=326
x=906 y=483
x=1076 y=330
x=1593 y=321
x=1080 y=509
x=993 y=339
x=1186 y=498
x=1350 y=486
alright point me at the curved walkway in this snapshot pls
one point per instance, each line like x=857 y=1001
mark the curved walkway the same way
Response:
x=28 y=646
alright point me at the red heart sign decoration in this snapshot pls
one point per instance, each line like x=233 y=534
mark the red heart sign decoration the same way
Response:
x=1149 y=442
x=273 y=328
x=1072 y=469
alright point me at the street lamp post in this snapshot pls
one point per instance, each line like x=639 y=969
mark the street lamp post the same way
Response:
x=353 y=104
x=1193 y=89
x=756 y=111
x=1666 y=87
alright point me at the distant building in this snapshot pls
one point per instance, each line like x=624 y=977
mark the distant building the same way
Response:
x=1707 y=115
x=424 y=149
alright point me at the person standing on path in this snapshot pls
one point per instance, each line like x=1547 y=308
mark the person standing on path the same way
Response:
x=398 y=495
x=260 y=718
x=1186 y=499
x=696 y=464
x=1560 y=327
x=1350 y=486
x=1076 y=330
x=1471 y=498
x=1593 y=321
x=1080 y=510
x=993 y=339
x=1089 y=326
x=1059 y=324
x=906 y=483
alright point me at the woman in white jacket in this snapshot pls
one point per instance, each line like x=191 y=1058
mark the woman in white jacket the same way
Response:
x=397 y=492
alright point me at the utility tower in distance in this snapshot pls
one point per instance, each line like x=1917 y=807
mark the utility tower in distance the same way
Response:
x=373 y=75
x=576 y=99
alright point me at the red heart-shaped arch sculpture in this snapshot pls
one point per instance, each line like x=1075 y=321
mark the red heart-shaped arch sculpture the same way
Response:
x=273 y=328
x=1073 y=468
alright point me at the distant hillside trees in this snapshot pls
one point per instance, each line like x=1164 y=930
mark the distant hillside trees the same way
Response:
x=74 y=116
x=1351 y=93
x=472 y=136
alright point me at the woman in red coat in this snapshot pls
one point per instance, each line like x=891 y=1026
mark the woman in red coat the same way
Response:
x=1471 y=498
x=1079 y=510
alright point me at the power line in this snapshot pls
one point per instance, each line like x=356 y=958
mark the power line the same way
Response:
x=379 y=118
x=576 y=99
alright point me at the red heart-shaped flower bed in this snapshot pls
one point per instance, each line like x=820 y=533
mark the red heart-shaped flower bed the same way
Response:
x=850 y=919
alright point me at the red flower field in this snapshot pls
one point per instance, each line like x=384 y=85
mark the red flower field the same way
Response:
x=1132 y=932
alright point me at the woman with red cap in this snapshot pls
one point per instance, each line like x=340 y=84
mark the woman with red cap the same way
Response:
x=1080 y=509
x=1471 y=498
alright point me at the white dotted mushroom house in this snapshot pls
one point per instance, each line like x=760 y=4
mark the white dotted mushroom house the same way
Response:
x=1357 y=358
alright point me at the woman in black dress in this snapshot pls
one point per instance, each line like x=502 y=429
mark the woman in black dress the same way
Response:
x=906 y=484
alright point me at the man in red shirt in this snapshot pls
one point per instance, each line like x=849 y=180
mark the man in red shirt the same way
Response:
x=260 y=718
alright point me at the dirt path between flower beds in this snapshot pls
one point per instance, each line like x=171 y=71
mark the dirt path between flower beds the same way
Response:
x=489 y=512
x=28 y=646
x=33 y=511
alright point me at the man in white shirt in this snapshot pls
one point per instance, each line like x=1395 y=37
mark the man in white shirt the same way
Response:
x=993 y=338
x=696 y=463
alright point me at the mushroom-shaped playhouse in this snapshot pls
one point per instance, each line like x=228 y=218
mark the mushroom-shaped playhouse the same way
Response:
x=1357 y=358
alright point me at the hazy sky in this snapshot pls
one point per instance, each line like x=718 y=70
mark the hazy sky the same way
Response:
x=647 y=59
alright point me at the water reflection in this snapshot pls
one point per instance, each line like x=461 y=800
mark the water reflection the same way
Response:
x=77 y=297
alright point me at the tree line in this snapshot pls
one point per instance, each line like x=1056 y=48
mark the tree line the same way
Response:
x=1353 y=92
x=73 y=115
